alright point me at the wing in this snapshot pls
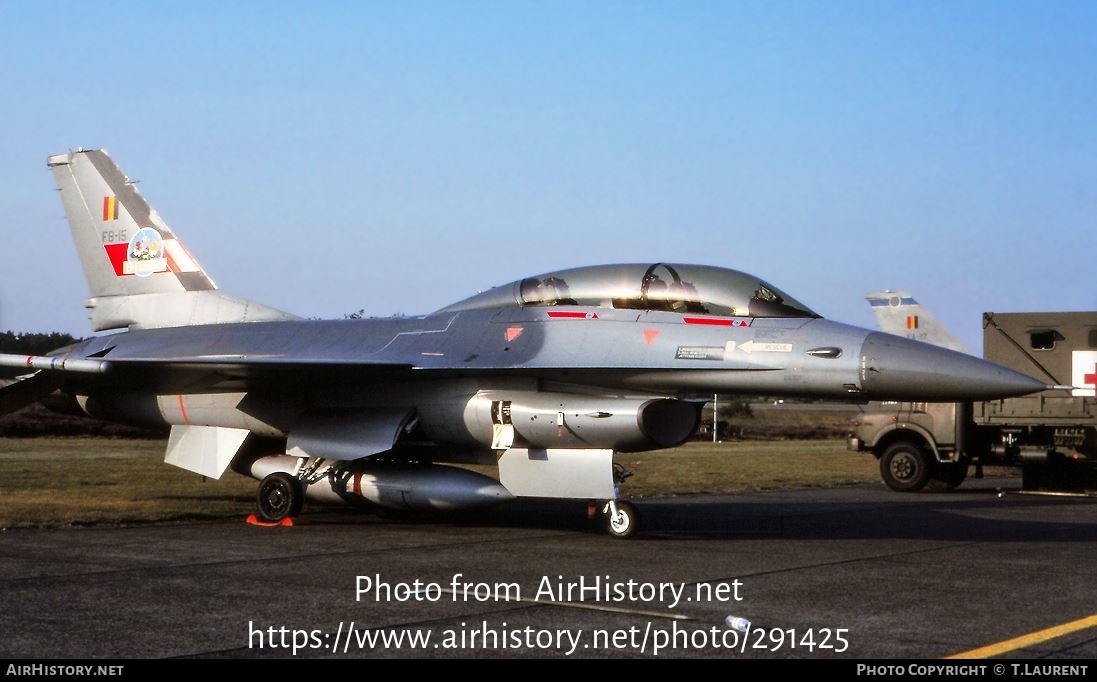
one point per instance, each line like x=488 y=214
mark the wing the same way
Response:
x=182 y=373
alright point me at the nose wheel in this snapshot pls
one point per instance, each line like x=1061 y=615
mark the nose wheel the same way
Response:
x=622 y=519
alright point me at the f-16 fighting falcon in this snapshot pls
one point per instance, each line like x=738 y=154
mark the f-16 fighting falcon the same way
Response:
x=546 y=377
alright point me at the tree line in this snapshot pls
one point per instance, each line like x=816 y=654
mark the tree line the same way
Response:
x=32 y=343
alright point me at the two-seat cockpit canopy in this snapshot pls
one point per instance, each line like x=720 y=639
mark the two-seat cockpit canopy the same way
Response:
x=692 y=289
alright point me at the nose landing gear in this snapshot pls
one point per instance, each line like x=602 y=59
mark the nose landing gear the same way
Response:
x=622 y=519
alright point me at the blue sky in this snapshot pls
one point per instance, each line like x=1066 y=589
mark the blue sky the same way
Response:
x=396 y=157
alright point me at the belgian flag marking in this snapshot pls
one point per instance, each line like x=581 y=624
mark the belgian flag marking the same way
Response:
x=912 y=321
x=110 y=208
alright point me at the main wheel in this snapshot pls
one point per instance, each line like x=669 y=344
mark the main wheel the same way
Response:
x=279 y=496
x=949 y=475
x=905 y=467
x=624 y=523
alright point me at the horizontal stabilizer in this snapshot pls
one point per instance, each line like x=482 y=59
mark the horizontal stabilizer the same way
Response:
x=205 y=450
x=23 y=392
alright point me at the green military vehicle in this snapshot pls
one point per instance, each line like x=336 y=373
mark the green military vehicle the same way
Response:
x=1051 y=435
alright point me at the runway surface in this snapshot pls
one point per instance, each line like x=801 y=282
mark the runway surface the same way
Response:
x=856 y=572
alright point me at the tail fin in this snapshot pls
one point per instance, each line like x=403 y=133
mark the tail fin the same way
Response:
x=138 y=271
x=897 y=313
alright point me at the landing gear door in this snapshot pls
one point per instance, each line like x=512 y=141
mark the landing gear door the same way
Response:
x=560 y=473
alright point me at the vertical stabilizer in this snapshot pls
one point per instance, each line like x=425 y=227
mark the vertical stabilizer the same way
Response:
x=138 y=271
x=898 y=313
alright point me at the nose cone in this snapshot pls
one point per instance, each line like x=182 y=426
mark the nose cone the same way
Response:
x=896 y=368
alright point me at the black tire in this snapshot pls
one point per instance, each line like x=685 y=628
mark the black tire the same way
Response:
x=624 y=524
x=279 y=497
x=906 y=468
x=949 y=475
x=1034 y=475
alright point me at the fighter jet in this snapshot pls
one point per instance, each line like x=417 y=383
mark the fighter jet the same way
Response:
x=545 y=377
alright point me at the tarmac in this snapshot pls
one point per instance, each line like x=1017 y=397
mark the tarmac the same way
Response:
x=853 y=572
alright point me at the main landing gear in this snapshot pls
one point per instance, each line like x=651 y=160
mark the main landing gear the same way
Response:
x=279 y=497
x=281 y=494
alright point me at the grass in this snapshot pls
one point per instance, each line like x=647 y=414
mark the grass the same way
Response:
x=745 y=465
x=75 y=481
x=67 y=481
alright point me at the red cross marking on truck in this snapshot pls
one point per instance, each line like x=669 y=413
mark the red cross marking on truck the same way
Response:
x=1091 y=378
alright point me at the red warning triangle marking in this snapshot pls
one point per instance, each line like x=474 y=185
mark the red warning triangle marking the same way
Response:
x=649 y=336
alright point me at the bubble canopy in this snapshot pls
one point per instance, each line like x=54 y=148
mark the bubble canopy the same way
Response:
x=668 y=287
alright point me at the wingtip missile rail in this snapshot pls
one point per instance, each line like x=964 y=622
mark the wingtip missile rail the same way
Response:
x=57 y=364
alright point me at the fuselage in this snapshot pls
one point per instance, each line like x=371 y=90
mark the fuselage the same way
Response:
x=378 y=362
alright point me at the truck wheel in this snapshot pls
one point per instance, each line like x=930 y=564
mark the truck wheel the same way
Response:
x=949 y=475
x=905 y=467
x=1034 y=476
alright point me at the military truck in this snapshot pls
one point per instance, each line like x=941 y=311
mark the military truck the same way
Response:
x=1051 y=436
